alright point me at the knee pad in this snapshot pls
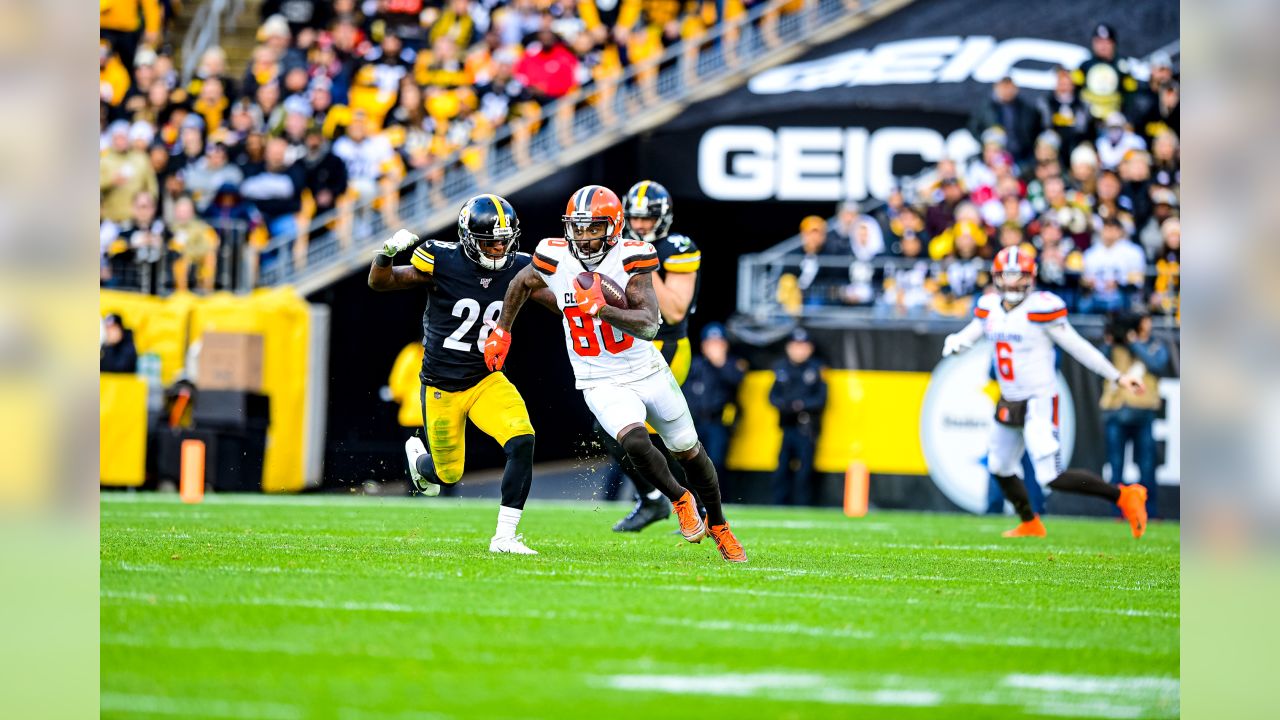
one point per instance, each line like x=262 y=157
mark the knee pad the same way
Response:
x=449 y=475
x=520 y=446
x=636 y=442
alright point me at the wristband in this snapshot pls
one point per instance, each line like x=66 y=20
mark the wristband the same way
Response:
x=382 y=260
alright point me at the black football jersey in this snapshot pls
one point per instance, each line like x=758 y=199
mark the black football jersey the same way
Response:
x=678 y=253
x=461 y=304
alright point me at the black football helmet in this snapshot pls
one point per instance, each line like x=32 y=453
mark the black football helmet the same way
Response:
x=648 y=199
x=486 y=219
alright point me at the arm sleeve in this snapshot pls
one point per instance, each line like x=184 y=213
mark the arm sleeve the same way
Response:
x=971 y=333
x=151 y=16
x=1066 y=337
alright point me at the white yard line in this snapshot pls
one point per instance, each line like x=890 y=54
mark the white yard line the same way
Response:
x=141 y=704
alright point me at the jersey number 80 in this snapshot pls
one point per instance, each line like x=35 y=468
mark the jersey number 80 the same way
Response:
x=586 y=341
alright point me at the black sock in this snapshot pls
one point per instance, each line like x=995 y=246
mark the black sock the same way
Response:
x=1083 y=482
x=703 y=481
x=650 y=463
x=1016 y=493
x=643 y=487
x=426 y=467
x=518 y=475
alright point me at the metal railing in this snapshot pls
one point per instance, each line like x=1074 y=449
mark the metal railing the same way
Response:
x=206 y=30
x=581 y=124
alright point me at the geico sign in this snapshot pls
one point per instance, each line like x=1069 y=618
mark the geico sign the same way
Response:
x=949 y=59
x=742 y=162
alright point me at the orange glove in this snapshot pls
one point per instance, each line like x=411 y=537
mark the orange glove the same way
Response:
x=589 y=300
x=496 y=347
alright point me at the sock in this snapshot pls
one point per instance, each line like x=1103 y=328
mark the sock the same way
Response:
x=508 y=519
x=518 y=474
x=702 y=478
x=653 y=494
x=650 y=463
x=427 y=469
x=1016 y=493
x=644 y=488
x=1083 y=482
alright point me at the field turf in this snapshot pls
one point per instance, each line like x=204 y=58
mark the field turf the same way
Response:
x=356 y=607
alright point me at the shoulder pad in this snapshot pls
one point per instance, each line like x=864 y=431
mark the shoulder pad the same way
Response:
x=682 y=255
x=547 y=256
x=424 y=256
x=1045 y=307
x=638 y=258
x=986 y=303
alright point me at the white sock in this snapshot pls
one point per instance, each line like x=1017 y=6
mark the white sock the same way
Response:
x=508 y=519
x=654 y=494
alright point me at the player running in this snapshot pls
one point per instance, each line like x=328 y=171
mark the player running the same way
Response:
x=465 y=283
x=621 y=373
x=647 y=216
x=1024 y=327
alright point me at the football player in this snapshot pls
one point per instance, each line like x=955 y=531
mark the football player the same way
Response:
x=647 y=216
x=624 y=379
x=1025 y=326
x=465 y=282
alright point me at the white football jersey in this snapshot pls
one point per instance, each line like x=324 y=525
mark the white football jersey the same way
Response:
x=1024 y=352
x=599 y=353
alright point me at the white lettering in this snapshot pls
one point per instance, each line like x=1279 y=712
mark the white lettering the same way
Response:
x=890 y=142
x=748 y=153
x=1008 y=54
x=808 y=165
x=855 y=158
x=907 y=62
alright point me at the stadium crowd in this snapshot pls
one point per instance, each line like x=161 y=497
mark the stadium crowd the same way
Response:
x=341 y=101
x=1085 y=176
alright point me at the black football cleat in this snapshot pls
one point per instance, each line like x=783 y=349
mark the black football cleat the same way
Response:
x=645 y=513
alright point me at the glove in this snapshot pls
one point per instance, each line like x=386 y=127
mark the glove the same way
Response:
x=495 y=349
x=398 y=242
x=953 y=345
x=589 y=300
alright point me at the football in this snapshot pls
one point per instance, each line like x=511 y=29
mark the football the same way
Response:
x=613 y=292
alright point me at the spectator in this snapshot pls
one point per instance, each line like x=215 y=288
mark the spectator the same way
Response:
x=1006 y=205
x=325 y=175
x=196 y=245
x=373 y=170
x=126 y=24
x=1135 y=178
x=907 y=225
x=1103 y=83
x=1068 y=211
x=984 y=171
x=809 y=274
x=907 y=286
x=799 y=393
x=1005 y=110
x=1084 y=173
x=206 y=175
x=549 y=67
x=712 y=390
x=301 y=14
x=191 y=146
x=297 y=118
x=970 y=230
x=1166 y=298
x=213 y=64
x=212 y=103
x=275 y=189
x=1059 y=262
x=123 y=173
x=942 y=214
x=1111 y=203
x=961 y=273
x=1115 y=140
x=1163 y=113
x=1164 y=204
x=136 y=248
x=1062 y=111
x=1166 y=163
x=117 y=354
x=843 y=239
x=1129 y=417
x=1114 y=270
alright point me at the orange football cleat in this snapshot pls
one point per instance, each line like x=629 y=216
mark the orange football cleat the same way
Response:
x=730 y=548
x=1030 y=528
x=691 y=526
x=1133 y=505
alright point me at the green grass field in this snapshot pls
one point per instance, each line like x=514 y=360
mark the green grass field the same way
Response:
x=337 y=607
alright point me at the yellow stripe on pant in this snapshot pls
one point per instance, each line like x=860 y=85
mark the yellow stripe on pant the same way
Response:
x=493 y=404
x=871 y=415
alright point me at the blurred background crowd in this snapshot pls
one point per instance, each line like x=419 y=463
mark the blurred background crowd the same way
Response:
x=338 y=102
x=1088 y=181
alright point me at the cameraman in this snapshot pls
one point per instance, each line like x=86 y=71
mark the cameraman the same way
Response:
x=1128 y=417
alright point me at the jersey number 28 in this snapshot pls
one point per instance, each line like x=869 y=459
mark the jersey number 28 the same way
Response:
x=469 y=310
x=585 y=339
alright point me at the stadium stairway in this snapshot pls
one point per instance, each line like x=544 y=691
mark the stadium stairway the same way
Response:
x=238 y=36
x=568 y=138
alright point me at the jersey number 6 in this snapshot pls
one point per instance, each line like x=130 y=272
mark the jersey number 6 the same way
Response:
x=1004 y=360
x=586 y=342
